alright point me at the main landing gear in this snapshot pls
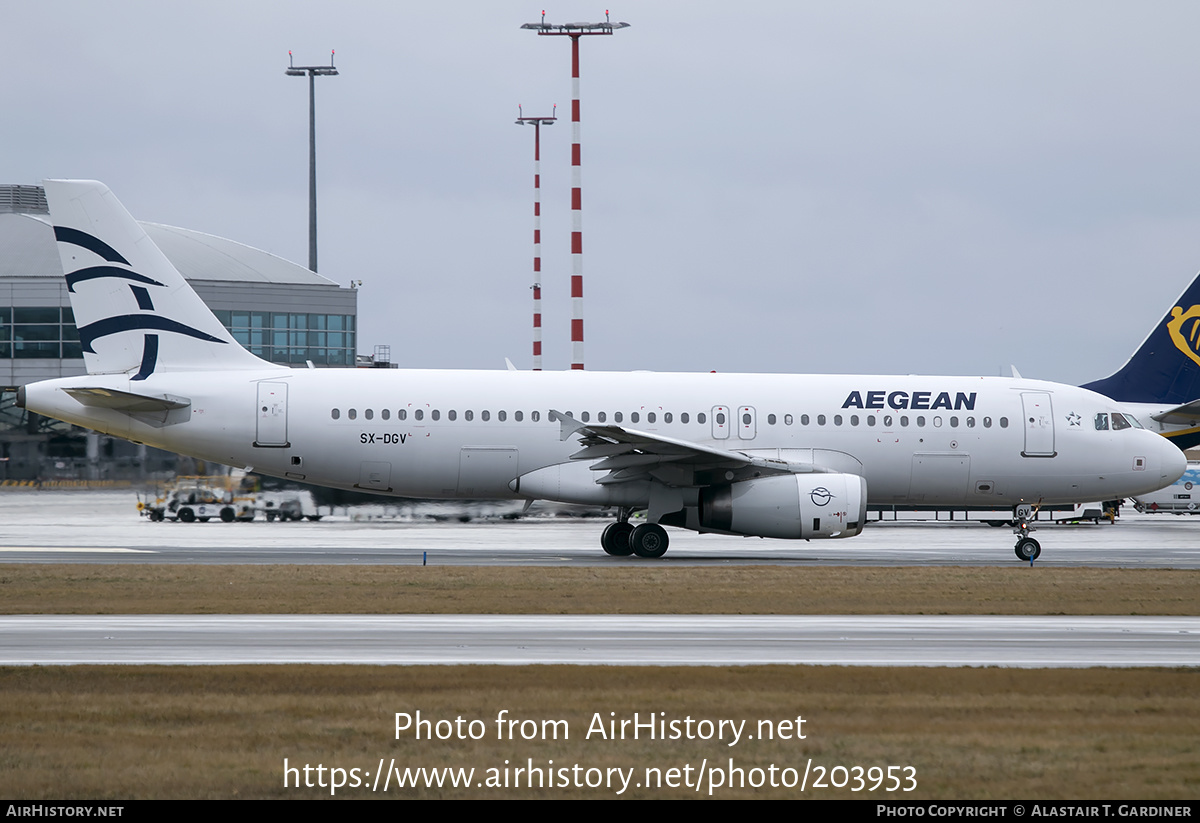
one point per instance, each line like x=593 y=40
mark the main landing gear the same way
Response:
x=1027 y=548
x=621 y=539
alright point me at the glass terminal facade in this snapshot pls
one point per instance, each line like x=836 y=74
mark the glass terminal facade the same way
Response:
x=49 y=333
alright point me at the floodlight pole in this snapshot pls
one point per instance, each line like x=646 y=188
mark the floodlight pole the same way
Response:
x=312 y=72
x=537 y=123
x=575 y=31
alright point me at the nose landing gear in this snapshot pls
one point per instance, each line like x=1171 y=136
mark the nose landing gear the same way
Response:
x=1027 y=548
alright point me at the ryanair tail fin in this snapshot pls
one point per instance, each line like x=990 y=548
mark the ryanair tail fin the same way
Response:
x=135 y=313
x=1166 y=368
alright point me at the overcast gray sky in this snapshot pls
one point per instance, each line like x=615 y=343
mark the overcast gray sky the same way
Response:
x=932 y=187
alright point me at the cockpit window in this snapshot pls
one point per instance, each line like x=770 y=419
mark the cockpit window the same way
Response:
x=1119 y=422
x=1101 y=422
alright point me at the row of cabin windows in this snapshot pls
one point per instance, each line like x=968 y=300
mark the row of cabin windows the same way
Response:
x=888 y=420
x=434 y=414
x=668 y=417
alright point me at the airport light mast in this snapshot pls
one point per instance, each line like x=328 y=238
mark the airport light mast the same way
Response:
x=312 y=73
x=537 y=123
x=575 y=31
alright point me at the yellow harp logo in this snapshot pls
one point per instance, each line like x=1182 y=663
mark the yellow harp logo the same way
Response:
x=1186 y=340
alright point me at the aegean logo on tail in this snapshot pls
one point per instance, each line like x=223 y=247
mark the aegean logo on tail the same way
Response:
x=125 y=322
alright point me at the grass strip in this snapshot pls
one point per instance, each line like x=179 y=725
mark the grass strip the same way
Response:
x=302 y=589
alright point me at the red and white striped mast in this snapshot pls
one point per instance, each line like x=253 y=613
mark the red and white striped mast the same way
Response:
x=537 y=123
x=575 y=31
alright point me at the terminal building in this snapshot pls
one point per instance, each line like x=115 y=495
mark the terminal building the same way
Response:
x=277 y=309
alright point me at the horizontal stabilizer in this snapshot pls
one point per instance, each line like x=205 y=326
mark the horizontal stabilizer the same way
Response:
x=128 y=401
x=1180 y=415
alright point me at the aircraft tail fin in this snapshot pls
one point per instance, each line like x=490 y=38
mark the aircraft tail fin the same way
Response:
x=135 y=313
x=1166 y=368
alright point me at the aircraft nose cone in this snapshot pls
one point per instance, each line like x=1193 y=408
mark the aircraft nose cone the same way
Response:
x=1171 y=460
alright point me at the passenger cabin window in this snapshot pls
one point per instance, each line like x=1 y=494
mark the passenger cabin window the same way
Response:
x=419 y=414
x=700 y=418
x=369 y=414
x=804 y=420
x=633 y=417
x=386 y=414
x=518 y=416
x=502 y=416
x=352 y=414
x=335 y=413
x=435 y=414
x=618 y=416
x=787 y=420
x=683 y=418
x=402 y=414
x=650 y=418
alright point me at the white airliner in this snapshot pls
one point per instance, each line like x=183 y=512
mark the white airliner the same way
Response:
x=766 y=455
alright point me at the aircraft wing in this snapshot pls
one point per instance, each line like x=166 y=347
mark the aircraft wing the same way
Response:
x=628 y=455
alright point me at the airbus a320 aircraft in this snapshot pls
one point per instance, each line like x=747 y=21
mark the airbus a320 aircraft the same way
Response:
x=765 y=455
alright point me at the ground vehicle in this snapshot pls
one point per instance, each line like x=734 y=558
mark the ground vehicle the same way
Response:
x=191 y=498
x=1181 y=498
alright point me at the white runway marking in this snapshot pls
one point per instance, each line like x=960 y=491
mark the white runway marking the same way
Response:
x=74 y=549
x=644 y=640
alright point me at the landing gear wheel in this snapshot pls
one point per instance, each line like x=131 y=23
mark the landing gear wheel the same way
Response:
x=649 y=540
x=1028 y=549
x=615 y=539
x=186 y=515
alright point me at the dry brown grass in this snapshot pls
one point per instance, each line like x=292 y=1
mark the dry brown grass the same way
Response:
x=149 y=589
x=129 y=732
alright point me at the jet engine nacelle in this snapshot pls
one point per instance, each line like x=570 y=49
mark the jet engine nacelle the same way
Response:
x=788 y=506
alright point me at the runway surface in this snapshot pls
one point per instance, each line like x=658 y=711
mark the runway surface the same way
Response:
x=103 y=527
x=648 y=640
